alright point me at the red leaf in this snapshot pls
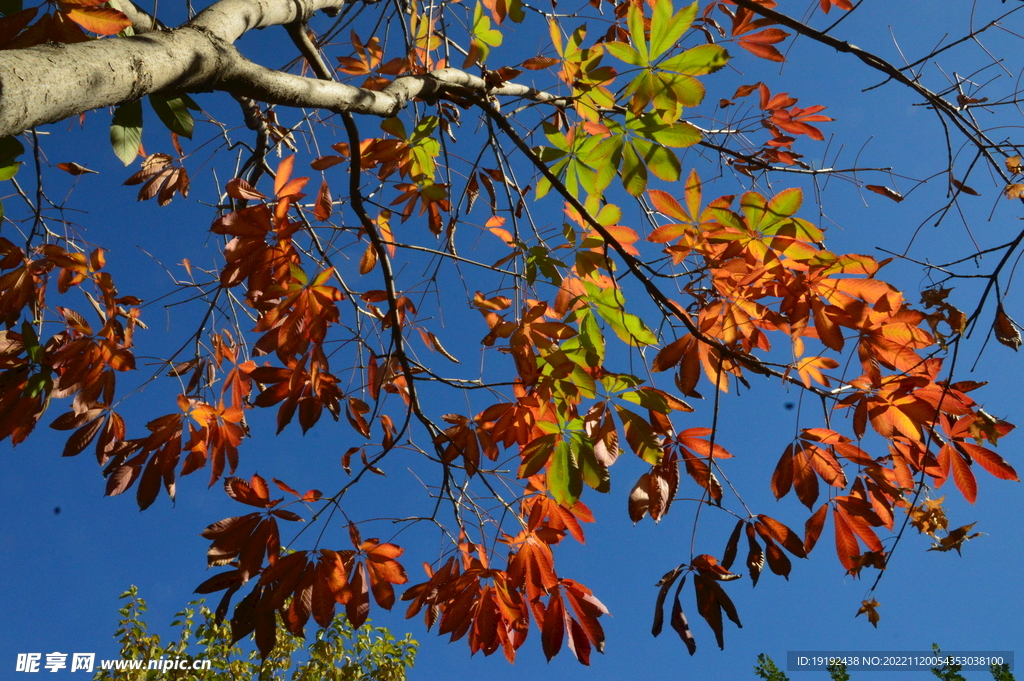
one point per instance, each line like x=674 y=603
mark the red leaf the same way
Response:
x=358 y=607
x=732 y=546
x=240 y=490
x=990 y=461
x=782 y=534
x=963 y=476
x=813 y=527
x=553 y=627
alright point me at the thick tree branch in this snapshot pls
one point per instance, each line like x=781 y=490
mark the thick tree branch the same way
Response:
x=48 y=83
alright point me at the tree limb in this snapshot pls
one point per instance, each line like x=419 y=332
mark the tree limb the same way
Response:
x=48 y=83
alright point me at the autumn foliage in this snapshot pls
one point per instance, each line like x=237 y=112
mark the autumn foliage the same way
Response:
x=608 y=331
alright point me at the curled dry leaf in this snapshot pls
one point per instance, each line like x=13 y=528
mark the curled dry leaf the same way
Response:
x=75 y=169
x=869 y=608
x=1014 y=191
x=885 y=191
x=1006 y=329
x=964 y=188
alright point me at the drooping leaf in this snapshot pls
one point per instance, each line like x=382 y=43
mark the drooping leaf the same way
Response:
x=126 y=131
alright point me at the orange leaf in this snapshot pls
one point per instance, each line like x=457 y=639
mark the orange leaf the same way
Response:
x=963 y=476
x=846 y=542
x=102 y=20
x=323 y=207
x=369 y=260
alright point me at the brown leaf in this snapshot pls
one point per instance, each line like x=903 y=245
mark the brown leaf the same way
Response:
x=755 y=556
x=955 y=539
x=1014 y=191
x=885 y=191
x=732 y=546
x=242 y=190
x=666 y=582
x=640 y=498
x=324 y=206
x=81 y=438
x=679 y=623
x=868 y=607
x=75 y=169
x=1005 y=328
x=777 y=560
x=964 y=188
x=538 y=63
x=1013 y=164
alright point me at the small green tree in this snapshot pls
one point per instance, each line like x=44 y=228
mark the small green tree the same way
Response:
x=338 y=653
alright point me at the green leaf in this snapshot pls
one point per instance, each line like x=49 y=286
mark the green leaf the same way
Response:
x=661 y=161
x=626 y=326
x=38 y=384
x=678 y=88
x=755 y=208
x=634 y=172
x=126 y=131
x=173 y=112
x=784 y=204
x=605 y=159
x=535 y=455
x=666 y=30
x=594 y=475
x=31 y=342
x=640 y=436
x=394 y=126
x=676 y=135
x=626 y=53
x=591 y=338
x=635 y=19
x=298 y=274
x=10 y=149
x=564 y=480
x=697 y=61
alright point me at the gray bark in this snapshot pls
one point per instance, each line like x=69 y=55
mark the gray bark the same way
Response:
x=49 y=83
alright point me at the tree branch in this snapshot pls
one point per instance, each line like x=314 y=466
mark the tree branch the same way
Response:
x=48 y=83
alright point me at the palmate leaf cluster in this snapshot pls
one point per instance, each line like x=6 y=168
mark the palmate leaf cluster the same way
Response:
x=613 y=293
x=337 y=652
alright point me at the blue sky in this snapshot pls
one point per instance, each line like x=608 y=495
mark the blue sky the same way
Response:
x=61 y=573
